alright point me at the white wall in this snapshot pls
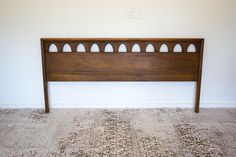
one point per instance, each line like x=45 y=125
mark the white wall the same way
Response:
x=24 y=22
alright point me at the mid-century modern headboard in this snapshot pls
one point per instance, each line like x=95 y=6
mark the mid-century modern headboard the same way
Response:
x=155 y=60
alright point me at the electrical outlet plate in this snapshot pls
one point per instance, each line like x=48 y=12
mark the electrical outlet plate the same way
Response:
x=133 y=13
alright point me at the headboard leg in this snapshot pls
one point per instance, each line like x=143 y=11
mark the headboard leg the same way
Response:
x=46 y=97
x=198 y=93
x=45 y=82
x=199 y=80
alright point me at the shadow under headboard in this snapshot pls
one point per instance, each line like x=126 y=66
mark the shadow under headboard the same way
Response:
x=122 y=59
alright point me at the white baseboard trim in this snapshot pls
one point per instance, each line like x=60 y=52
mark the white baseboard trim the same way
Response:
x=116 y=105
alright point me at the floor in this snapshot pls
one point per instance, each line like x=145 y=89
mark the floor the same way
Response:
x=118 y=132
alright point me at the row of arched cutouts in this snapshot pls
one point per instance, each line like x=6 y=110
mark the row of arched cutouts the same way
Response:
x=122 y=48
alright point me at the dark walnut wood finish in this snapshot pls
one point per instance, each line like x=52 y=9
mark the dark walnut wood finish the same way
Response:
x=122 y=66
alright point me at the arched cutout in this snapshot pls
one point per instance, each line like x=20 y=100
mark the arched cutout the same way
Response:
x=191 y=48
x=66 y=48
x=122 y=48
x=164 y=48
x=136 y=48
x=80 y=48
x=94 y=48
x=109 y=48
x=178 y=48
x=150 y=48
x=52 y=48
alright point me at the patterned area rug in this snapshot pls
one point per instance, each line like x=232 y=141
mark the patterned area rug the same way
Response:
x=118 y=133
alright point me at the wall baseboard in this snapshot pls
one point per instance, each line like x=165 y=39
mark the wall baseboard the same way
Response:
x=116 y=105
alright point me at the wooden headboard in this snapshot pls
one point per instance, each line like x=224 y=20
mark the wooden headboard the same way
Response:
x=74 y=59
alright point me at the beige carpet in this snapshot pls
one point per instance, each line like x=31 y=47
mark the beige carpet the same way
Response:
x=118 y=133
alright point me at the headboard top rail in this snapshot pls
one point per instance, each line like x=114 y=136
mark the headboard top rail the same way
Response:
x=130 y=44
x=122 y=39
